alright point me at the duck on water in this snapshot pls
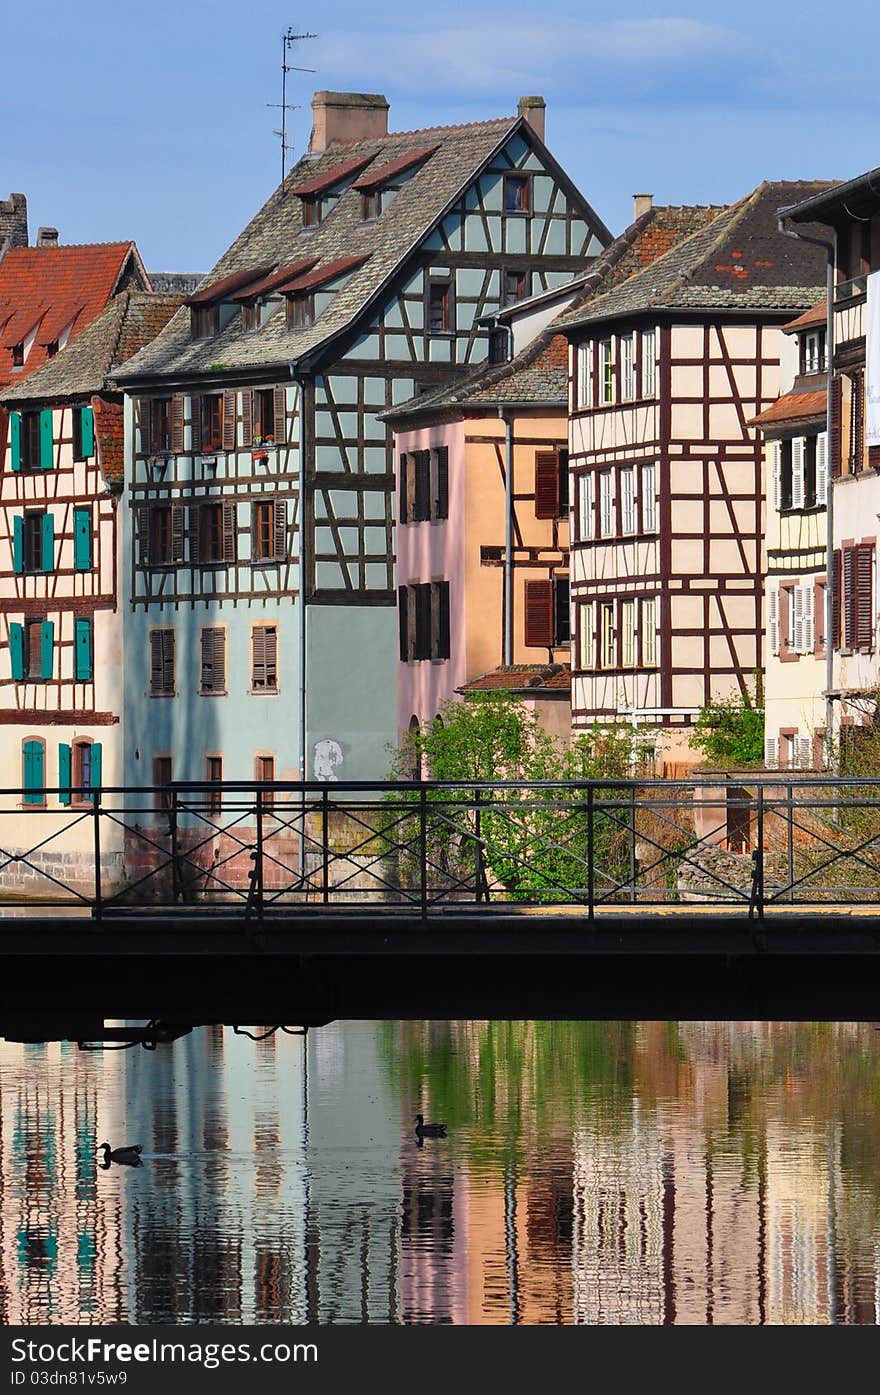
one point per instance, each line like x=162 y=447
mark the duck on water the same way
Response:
x=424 y=1130
x=130 y=1155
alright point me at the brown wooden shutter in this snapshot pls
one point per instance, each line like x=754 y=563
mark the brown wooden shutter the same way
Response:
x=836 y=581
x=864 y=595
x=422 y=506
x=229 y=421
x=280 y=529
x=193 y=532
x=177 y=423
x=402 y=510
x=195 y=422
x=142 y=520
x=546 y=484
x=849 y=598
x=144 y=419
x=403 y=621
x=258 y=656
x=857 y=420
x=156 y=661
x=411 y=622
x=213 y=659
x=539 y=614
x=280 y=404
x=834 y=444
x=270 y=637
x=230 y=540
x=247 y=416
x=423 y=620
x=441 y=488
x=168 y=661
x=410 y=472
x=434 y=623
x=442 y=599
x=177 y=526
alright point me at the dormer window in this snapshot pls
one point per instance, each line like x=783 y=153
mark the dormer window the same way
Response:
x=18 y=355
x=52 y=349
x=311 y=212
x=205 y=321
x=250 y=315
x=813 y=351
x=301 y=311
x=517 y=285
x=371 y=204
x=212 y=308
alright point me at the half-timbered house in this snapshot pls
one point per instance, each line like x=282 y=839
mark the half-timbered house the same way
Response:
x=667 y=508
x=849 y=215
x=260 y=479
x=483 y=568
x=60 y=605
x=796 y=474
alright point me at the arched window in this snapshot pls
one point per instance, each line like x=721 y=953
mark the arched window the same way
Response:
x=415 y=731
x=33 y=770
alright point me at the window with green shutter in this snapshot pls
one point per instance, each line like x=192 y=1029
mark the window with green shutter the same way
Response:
x=82 y=651
x=47 y=561
x=18 y=545
x=47 y=648
x=82 y=540
x=46 y=442
x=33 y=772
x=16 y=651
x=15 y=439
x=64 y=774
x=83 y=433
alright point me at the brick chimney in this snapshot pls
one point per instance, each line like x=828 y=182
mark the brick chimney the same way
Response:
x=641 y=204
x=341 y=117
x=534 y=110
x=47 y=237
x=13 y=222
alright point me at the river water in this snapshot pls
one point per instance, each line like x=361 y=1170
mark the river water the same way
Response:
x=591 y=1173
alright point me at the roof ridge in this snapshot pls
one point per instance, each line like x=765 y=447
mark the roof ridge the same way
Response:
x=123 y=311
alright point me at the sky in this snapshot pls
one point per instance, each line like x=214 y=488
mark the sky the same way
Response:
x=153 y=121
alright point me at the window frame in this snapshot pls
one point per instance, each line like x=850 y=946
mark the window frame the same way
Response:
x=444 y=286
x=167 y=662
x=267 y=689
x=522 y=206
x=218 y=686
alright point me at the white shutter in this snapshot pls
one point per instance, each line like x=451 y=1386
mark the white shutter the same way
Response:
x=797 y=472
x=771 y=752
x=776 y=467
x=822 y=468
x=796 y=596
x=773 y=620
x=803 y=752
x=648 y=499
x=585 y=507
x=808 y=606
x=627 y=501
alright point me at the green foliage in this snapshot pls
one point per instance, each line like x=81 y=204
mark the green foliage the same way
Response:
x=526 y=844
x=732 y=730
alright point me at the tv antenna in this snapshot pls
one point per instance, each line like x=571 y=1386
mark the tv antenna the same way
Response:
x=288 y=39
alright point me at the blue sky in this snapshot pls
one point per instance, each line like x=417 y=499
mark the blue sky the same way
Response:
x=151 y=121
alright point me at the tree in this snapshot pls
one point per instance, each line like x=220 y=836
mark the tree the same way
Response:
x=731 y=730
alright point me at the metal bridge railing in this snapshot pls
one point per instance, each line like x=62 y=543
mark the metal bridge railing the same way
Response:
x=756 y=842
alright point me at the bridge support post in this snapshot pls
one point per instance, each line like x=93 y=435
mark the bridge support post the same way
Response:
x=423 y=849
x=96 y=823
x=591 y=857
x=325 y=846
x=790 y=794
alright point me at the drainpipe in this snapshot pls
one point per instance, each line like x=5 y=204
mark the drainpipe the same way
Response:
x=508 y=536
x=301 y=380
x=830 y=245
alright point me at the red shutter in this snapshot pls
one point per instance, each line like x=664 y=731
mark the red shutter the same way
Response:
x=177 y=525
x=144 y=422
x=230 y=541
x=247 y=416
x=539 y=614
x=849 y=598
x=834 y=443
x=280 y=404
x=280 y=529
x=836 y=582
x=546 y=484
x=193 y=532
x=864 y=589
x=195 y=422
x=229 y=421
x=177 y=424
x=857 y=421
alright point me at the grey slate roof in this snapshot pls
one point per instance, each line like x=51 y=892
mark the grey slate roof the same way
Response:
x=129 y=322
x=739 y=261
x=276 y=237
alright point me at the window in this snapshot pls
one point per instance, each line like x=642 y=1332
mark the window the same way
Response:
x=162 y=663
x=371 y=204
x=210 y=528
x=82 y=540
x=269 y=524
x=300 y=311
x=18 y=355
x=423 y=617
x=33 y=772
x=204 y=321
x=160 y=535
x=264 y=414
x=627 y=376
x=813 y=351
x=39 y=640
x=424 y=485
x=551 y=483
x=627 y=634
x=856 y=421
x=84 y=775
x=648 y=631
x=212 y=674
x=30 y=440
x=800 y=472
x=154 y=422
x=162 y=777
x=853 y=597
x=52 y=348
x=627 y=501
x=499 y=346
x=83 y=650
x=211 y=421
x=264 y=770
x=516 y=193
x=312 y=212
x=264 y=659
x=439 y=314
x=606 y=371
x=547 y=617
x=607 y=636
x=439 y=482
x=83 y=432
x=33 y=542
x=606 y=504
x=586 y=520
x=585 y=376
x=648 y=363
x=214 y=776
x=515 y=285
x=250 y=315
x=586 y=635
x=648 y=498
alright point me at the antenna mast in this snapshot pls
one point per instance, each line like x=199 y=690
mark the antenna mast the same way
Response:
x=288 y=39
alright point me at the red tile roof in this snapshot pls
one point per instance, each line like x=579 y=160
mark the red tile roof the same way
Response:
x=236 y=281
x=794 y=406
x=323 y=273
x=332 y=176
x=48 y=288
x=276 y=278
x=383 y=173
x=816 y=315
x=521 y=678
